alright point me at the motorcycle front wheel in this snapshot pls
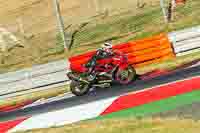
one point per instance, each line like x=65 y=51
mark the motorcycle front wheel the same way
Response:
x=126 y=76
x=79 y=88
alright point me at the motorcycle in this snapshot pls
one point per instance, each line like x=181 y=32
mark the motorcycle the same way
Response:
x=106 y=71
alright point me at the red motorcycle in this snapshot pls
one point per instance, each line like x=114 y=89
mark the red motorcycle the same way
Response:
x=111 y=69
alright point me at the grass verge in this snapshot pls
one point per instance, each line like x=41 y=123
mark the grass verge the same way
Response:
x=128 y=125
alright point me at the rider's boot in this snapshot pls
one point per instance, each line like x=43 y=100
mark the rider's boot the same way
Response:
x=92 y=91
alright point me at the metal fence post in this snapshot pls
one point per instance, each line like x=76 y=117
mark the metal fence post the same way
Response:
x=162 y=5
x=61 y=26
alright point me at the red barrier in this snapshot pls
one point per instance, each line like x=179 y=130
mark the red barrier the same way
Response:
x=149 y=51
x=121 y=46
x=154 y=61
x=149 y=39
x=142 y=58
x=142 y=46
x=139 y=52
x=82 y=56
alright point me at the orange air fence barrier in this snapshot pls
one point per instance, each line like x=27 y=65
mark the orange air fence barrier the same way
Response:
x=140 y=52
x=154 y=61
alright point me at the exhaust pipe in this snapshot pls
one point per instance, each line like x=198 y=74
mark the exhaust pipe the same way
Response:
x=105 y=85
x=105 y=74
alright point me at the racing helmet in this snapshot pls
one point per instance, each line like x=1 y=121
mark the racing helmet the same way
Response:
x=107 y=46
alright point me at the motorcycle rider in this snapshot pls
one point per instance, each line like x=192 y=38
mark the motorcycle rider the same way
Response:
x=104 y=52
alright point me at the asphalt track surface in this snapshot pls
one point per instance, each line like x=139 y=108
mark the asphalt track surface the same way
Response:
x=103 y=94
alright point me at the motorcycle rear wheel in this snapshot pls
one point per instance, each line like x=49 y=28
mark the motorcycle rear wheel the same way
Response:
x=126 y=76
x=78 y=88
